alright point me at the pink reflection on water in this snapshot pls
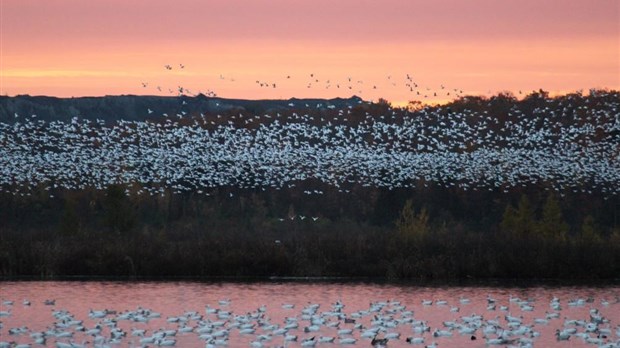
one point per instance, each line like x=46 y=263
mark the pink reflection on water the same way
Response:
x=176 y=298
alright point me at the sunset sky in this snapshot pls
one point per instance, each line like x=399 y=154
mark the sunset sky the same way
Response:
x=98 y=47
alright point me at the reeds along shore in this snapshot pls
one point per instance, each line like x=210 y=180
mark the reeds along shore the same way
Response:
x=431 y=232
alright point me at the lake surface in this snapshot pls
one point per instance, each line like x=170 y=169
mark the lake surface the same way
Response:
x=219 y=311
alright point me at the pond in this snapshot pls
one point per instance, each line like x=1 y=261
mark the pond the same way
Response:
x=295 y=314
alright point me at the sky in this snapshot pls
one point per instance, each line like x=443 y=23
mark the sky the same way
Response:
x=400 y=50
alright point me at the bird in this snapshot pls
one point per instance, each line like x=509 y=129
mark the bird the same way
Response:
x=379 y=342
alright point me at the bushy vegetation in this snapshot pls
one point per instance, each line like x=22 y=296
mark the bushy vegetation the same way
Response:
x=429 y=232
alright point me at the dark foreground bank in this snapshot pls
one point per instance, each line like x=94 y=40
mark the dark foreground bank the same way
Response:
x=429 y=233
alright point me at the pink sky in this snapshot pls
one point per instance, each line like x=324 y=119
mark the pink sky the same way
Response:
x=98 y=47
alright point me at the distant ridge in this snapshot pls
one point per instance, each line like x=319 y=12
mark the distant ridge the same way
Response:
x=136 y=107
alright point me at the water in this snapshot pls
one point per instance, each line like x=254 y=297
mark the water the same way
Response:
x=174 y=299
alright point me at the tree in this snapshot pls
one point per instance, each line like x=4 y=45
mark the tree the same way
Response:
x=540 y=94
x=518 y=222
x=589 y=232
x=525 y=218
x=118 y=211
x=69 y=223
x=414 y=105
x=406 y=248
x=412 y=227
x=552 y=225
x=384 y=102
x=509 y=220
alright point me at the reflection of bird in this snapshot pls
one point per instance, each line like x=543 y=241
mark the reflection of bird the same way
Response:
x=415 y=340
x=309 y=342
x=379 y=342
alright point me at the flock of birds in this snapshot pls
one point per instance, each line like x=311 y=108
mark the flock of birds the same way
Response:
x=565 y=146
x=347 y=85
x=381 y=324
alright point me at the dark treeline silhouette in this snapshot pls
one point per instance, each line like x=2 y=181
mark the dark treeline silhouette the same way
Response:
x=143 y=107
x=429 y=230
x=432 y=232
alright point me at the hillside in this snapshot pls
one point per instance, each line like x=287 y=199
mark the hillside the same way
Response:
x=140 y=108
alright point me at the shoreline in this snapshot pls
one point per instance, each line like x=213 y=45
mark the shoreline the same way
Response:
x=455 y=282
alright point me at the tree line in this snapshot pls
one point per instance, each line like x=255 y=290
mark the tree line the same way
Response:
x=433 y=232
